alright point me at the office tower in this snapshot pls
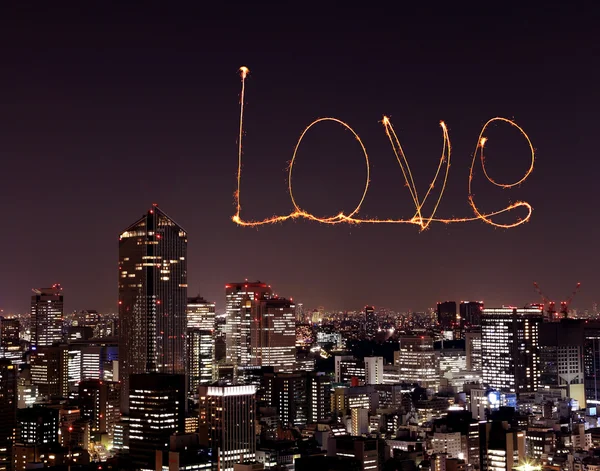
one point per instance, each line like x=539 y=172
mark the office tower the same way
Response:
x=510 y=349
x=569 y=357
x=10 y=343
x=370 y=322
x=200 y=314
x=201 y=325
x=87 y=318
x=473 y=350
x=446 y=315
x=46 y=316
x=345 y=398
x=156 y=411
x=100 y=404
x=287 y=393
x=470 y=313
x=8 y=412
x=348 y=368
x=37 y=425
x=229 y=413
x=241 y=300
x=373 y=370
x=50 y=370
x=416 y=361
x=273 y=334
x=200 y=351
x=152 y=298
x=318 y=397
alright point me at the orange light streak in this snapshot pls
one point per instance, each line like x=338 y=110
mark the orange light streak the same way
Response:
x=418 y=218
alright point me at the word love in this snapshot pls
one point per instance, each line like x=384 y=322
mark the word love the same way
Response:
x=419 y=219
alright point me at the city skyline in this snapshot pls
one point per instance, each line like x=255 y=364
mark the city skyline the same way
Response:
x=99 y=123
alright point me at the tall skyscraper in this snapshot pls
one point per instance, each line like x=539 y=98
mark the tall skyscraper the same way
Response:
x=273 y=334
x=8 y=412
x=46 y=316
x=446 y=314
x=201 y=334
x=370 y=322
x=510 y=349
x=152 y=298
x=229 y=413
x=241 y=299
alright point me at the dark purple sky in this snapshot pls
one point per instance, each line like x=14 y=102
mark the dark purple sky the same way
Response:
x=103 y=112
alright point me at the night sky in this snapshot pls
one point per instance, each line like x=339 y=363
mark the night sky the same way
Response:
x=106 y=111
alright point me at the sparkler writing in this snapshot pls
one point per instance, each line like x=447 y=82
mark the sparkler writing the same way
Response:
x=418 y=219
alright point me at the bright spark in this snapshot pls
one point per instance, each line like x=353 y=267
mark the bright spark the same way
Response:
x=418 y=219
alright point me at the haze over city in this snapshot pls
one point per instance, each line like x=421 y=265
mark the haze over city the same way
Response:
x=105 y=112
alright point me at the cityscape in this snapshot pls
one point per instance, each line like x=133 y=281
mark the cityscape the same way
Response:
x=167 y=382
x=296 y=238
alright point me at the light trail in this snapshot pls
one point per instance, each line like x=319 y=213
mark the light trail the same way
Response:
x=418 y=218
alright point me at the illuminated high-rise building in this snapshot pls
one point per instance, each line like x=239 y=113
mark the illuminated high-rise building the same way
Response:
x=8 y=412
x=46 y=316
x=229 y=413
x=510 y=349
x=200 y=314
x=370 y=322
x=241 y=299
x=50 y=370
x=473 y=350
x=152 y=298
x=201 y=334
x=100 y=404
x=273 y=334
x=200 y=351
x=417 y=361
x=10 y=343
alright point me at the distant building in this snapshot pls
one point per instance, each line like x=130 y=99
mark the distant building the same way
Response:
x=100 y=402
x=470 y=313
x=373 y=370
x=229 y=412
x=47 y=313
x=510 y=349
x=417 y=361
x=371 y=324
x=241 y=299
x=50 y=370
x=348 y=368
x=273 y=334
x=473 y=350
x=446 y=315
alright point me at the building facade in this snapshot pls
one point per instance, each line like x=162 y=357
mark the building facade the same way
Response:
x=152 y=298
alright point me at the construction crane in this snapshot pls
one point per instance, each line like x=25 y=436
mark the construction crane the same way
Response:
x=551 y=305
x=564 y=305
